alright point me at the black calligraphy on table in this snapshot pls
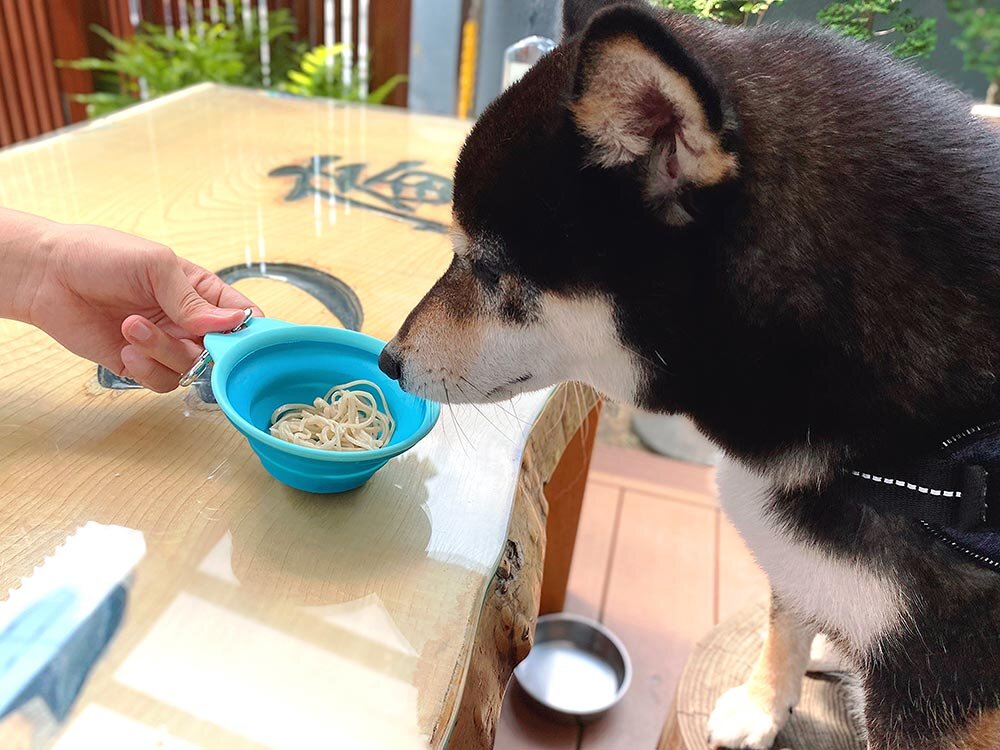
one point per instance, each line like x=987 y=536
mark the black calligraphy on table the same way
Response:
x=399 y=191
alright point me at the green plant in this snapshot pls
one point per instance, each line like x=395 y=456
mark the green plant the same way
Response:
x=733 y=12
x=910 y=35
x=165 y=62
x=979 y=40
x=285 y=50
x=321 y=74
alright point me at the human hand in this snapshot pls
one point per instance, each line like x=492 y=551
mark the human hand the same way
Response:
x=127 y=303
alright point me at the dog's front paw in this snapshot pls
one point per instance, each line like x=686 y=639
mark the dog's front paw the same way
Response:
x=740 y=723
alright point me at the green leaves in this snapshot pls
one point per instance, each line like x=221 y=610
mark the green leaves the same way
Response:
x=980 y=39
x=104 y=102
x=171 y=61
x=732 y=12
x=380 y=94
x=890 y=22
x=321 y=73
x=906 y=35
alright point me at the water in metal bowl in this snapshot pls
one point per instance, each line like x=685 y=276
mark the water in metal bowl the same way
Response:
x=577 y=667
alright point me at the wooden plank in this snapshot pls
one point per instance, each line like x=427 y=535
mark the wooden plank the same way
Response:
x=11 y=121
x=588 y=574
x=121 y=24
x=69 y=40
x=313 y=23
x=564 y=493
x=651 y=474
x=6 y=132
x=660 y=602
x=389 y=24
x=114 y=17
x=523 y=727
x=351 y=36
x=741 y=581
x=300 y=9
x=153 y=11
x=48 y=63
x=22 y=76
x=338 y=30
x=8 y=84
x=36 y=65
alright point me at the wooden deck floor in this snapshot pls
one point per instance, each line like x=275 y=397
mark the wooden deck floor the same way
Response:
x=660 y=565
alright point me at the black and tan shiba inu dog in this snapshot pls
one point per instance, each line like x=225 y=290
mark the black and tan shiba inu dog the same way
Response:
x=794 y=240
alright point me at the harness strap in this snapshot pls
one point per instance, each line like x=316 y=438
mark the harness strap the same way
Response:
x=960 y=496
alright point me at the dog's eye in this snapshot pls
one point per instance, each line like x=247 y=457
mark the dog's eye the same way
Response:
x=487 y=273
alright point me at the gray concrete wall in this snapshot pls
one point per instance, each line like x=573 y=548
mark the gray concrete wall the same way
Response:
x=506 y=22
x=434 y=48
x=437 y=28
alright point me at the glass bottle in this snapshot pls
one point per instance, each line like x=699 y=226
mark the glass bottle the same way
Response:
x=520 y=56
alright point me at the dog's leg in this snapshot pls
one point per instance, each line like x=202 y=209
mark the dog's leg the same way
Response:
x=750 y=716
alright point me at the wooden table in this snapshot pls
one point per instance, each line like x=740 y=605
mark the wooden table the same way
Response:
x=261 y=617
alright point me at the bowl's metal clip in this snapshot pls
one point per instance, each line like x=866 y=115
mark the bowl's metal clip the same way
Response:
x=201 y=364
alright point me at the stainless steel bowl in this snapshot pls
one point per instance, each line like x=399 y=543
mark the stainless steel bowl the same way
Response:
x=577 y=668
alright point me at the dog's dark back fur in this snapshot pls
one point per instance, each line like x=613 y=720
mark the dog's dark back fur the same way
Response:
x=842 y=293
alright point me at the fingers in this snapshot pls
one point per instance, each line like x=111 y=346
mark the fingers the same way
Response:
x=154 y=358
x=148 y=372
x=215 y=290
x=183 y=304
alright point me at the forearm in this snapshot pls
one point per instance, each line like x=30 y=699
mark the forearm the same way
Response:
x=24 y=254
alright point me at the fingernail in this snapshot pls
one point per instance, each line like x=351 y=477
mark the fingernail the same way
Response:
x=233 y=318
x=141 y=331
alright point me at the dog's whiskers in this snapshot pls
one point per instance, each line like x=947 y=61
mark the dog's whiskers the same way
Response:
x=482 y=393
x=454 y=419
x=483 y=414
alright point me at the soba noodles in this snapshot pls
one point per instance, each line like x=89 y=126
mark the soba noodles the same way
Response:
x=347 y=418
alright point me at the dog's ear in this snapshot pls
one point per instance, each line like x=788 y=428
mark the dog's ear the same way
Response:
x=638 y=94
x=576 y=13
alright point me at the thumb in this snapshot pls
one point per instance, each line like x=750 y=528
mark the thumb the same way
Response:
x=188 y=309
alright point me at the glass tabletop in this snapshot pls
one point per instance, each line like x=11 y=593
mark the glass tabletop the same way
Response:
x=222 y=609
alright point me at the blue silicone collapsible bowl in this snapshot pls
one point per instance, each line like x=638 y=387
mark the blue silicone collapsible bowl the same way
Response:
x=270 y=362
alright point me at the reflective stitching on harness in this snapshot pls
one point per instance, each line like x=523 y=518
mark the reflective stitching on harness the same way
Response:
x=908 y=485
x=941 y=536
x=964 y=434
x=986 y=503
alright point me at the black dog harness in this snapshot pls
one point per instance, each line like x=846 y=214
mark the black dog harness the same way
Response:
x=954 y=492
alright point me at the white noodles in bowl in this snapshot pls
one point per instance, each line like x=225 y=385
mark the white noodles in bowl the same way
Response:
x=347 y=418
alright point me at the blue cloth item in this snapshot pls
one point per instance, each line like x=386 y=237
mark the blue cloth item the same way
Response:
x=45 y=653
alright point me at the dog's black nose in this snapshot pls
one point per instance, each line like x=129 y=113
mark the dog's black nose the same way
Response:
x=388 y=362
